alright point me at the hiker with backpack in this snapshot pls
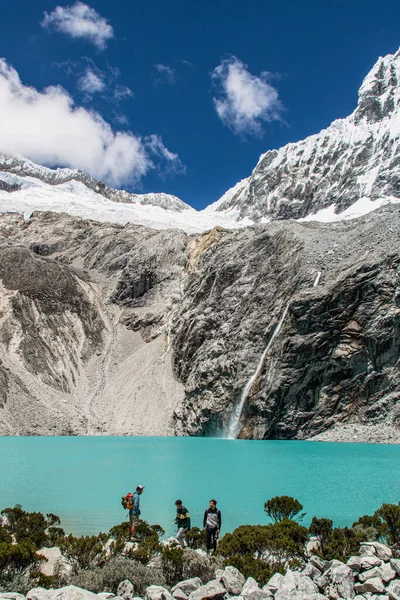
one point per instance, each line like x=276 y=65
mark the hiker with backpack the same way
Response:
x=132 y=503
x=212 y=522
x=182 y=521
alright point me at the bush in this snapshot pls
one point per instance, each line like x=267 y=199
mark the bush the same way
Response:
x=32 y=527
x=17 y=560
x=322 y=530
x=196 y=564
x=196 y=538
x=84 y=552
x=283 y=507
x=107 y=578
x=251 y=567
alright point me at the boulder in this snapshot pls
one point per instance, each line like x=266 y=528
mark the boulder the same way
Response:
x=393 y=590
x=395 y=564
x=381 y=550
x=180 y=595
x=311 y=571
x=306 y=586
x=258 y=595
x=331 y=592
x=375 y=572
x=125 y=590
x=368 y=562
x=71 y=592
x=322 y=581
x=367 y=550
x=249 y=586
x=288 y=587
x=39 y=593
x=157 y=592
x=188 y=586
x=232 y=580
x=318 y=562
x=314 y=597
x=211 y=591
x=343 y=578
x=275 y=583
x=355 y=563
x=374 y=585
x=386 y=572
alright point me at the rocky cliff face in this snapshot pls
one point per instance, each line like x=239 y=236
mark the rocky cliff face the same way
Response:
x=354 y=159
x=126 y=330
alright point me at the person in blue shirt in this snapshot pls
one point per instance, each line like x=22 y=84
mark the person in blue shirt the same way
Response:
x=134 y=512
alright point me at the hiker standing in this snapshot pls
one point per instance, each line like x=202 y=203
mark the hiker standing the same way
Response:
x=182 y=521
x=134 y=512
x=212 y=522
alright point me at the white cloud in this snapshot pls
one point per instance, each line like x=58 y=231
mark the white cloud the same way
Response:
x=48 y=128
x=91 y=82
x=245 y=101
x=80 y=21
x=165 y=74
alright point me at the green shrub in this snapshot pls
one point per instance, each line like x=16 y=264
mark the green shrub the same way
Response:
x=107 y=578
x=84 y=552
x=18 y=560
x=251 y=567
x=200 y=565
x=172 y=560
x=196 y=538
x=322 y=530
x=33 y=527
x=283 y=507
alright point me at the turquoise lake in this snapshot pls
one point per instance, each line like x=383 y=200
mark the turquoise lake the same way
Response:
x=82 y=479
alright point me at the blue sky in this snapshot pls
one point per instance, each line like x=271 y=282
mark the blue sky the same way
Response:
x=180 y=97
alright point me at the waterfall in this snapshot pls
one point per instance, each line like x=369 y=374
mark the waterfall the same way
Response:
x=318 y=277
x=237 y=413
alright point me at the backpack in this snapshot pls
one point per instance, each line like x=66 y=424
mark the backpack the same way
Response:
x=127 y=501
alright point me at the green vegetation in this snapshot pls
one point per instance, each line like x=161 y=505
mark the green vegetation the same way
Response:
x=100 y=562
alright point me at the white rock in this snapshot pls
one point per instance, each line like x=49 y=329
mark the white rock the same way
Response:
x=39 y=593
x=275 y=583
x=381 y=550
x=387 y=573
x=321 y=582
x=374 y=585
x=343 y=578
x=367 y=550
x=212 y=590
x=367 y=562
x=306 y=586
x=71 y=592
x=393 y=590
x=232 y=580
x=311 y=571
x=318 y=562
x=288 y=587
x=157 y=592
x=189 y=585
x=125 y=590
x=395 y=563
x=106 y=595
x=355 y=563
x=331 y=592
x=249 y=586
x=314 y=597
x=180 y=595
x=11 y=595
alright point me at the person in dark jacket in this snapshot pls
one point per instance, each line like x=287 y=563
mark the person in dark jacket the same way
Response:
x=134 y=512
x=212 y=522
x=182 y=521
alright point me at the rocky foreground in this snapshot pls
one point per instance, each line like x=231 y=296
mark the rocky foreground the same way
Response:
x=124 y=330
x=373 y=575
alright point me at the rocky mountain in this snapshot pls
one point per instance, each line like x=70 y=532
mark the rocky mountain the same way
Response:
x=354 y=161
x=152 y=318
x=115 y=329
x=23 y=167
